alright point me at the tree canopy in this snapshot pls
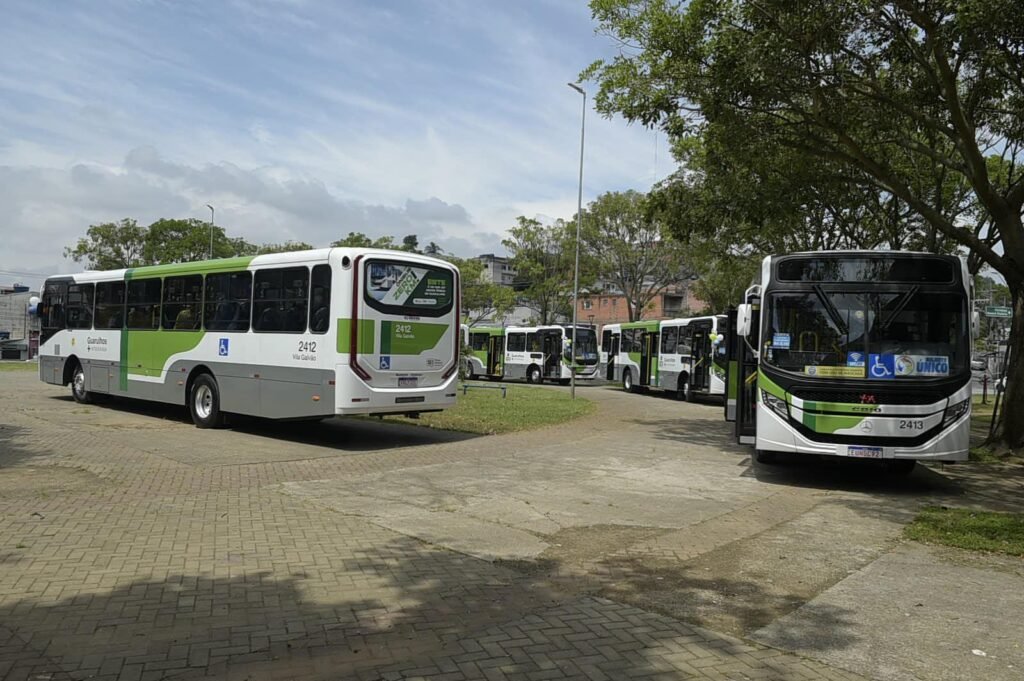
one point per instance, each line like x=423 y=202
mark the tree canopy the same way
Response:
x=914 y=103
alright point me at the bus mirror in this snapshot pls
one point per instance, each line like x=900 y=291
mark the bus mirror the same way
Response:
x=743 y=313
x=33 y=306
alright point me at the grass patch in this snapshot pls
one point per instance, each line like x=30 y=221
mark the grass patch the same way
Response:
x=485 y=412
x=19 y=366
x=967 y=529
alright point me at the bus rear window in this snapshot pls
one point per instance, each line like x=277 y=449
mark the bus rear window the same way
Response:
x=408 y=288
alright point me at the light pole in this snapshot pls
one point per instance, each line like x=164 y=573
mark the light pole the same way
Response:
x=210 y=256
x=579 y=221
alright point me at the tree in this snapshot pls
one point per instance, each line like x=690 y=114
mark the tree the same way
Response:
x=876 y=90
x=110 y=246
x=286 y=247
x=411 y=243
x=628 y=249
x=433 y=249
x=481 y=297
x=543 y=259
x=172 y=240
x=360 y=240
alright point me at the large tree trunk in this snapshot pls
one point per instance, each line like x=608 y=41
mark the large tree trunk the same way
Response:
x=1011 y=428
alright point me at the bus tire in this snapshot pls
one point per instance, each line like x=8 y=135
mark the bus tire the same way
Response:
x=78 y=391
x=683 y=392
x=901 y=467
x=764 y=456
x=533 y=375
x=204 y=402
x=627 y=381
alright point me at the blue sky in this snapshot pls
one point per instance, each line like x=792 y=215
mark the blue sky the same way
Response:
x=300 y=119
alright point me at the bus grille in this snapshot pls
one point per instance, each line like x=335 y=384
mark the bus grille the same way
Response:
x=857 y=396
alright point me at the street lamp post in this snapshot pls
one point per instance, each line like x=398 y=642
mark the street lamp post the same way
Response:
x=210 y=256
x=579 y=221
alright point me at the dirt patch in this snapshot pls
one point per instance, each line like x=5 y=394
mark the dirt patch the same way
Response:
x=40 y=482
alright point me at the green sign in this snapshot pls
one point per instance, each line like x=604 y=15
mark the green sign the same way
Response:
x=999 y=311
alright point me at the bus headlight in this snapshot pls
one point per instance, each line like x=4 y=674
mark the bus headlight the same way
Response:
x=775 y=404
x=955 y=411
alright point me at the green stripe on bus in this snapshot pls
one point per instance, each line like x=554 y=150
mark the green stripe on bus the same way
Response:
x=409 y=338
x=367 y=342
x=770 y=386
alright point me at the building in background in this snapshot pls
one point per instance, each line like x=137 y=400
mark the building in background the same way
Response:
x=609 y=306
x=19 y=331
x=497 y=269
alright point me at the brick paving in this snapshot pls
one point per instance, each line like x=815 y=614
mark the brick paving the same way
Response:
x=133 y=546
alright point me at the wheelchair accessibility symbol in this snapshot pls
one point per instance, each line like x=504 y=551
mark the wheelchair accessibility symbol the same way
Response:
x=385 y=362
x=881 y=366
x=222 y=349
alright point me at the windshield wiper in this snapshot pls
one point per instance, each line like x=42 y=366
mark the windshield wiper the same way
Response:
x=833 y=311
x=900 y=304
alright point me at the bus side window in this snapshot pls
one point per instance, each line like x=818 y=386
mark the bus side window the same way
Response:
x=110 y=305
x=533 y=342
x=280 y=300
x=668 y=340
x=52 y=314
x=182 y=299
x=320 y=299
x=144 y=304
x=227 y=303
x=516 y=342
x=606 y=340
x=478 y=341
x=78 y=311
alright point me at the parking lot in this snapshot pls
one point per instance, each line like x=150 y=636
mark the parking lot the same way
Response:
x=638 y=542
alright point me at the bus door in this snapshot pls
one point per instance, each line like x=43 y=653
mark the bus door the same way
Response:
x=648 y=352
x=551 y=346
x=613 y=354
x=495 y=353
x=746 y=397
x=732 y=346
x=700 y=376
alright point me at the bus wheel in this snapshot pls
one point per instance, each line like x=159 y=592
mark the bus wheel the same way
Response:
x=78 y=391
x=901 y=467
x=683 y=393
x=627 y=381
x=764 y=456
x=533 y=374
x=204 y=402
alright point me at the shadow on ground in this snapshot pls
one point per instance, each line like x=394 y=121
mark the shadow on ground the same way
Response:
x=360 y=434
x=414 y=611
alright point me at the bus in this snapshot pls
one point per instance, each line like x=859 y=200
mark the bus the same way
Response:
x=862 y=354
x=682 y=356
x=534 y=353
x=301 y=335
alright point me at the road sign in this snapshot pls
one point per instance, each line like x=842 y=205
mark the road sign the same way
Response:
x=998 y=311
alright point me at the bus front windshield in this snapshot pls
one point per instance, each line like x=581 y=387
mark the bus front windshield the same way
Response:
x=586 y=344
x=910 y=334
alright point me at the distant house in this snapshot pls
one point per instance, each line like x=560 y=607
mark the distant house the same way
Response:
x=497 y=269
x=609 y=306
x=19 y=331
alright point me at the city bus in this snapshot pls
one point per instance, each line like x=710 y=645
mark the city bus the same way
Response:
x=533 y=353
x=301 y=335
x=861 y=354
x=682 y=356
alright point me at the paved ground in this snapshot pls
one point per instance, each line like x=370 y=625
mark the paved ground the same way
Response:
x=634 y=543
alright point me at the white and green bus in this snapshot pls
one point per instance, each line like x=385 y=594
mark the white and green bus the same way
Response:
x=682 y=356
x=856 y=354
x=533 y=353
x=302 y=335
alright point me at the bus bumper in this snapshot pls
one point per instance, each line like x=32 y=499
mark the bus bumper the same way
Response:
x=353 y=396
x=774 y=435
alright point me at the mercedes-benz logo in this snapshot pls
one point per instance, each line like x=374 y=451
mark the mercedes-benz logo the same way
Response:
x=867 y=426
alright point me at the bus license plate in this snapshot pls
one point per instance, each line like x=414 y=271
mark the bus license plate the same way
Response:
x=407 y=382
x=864 y=452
